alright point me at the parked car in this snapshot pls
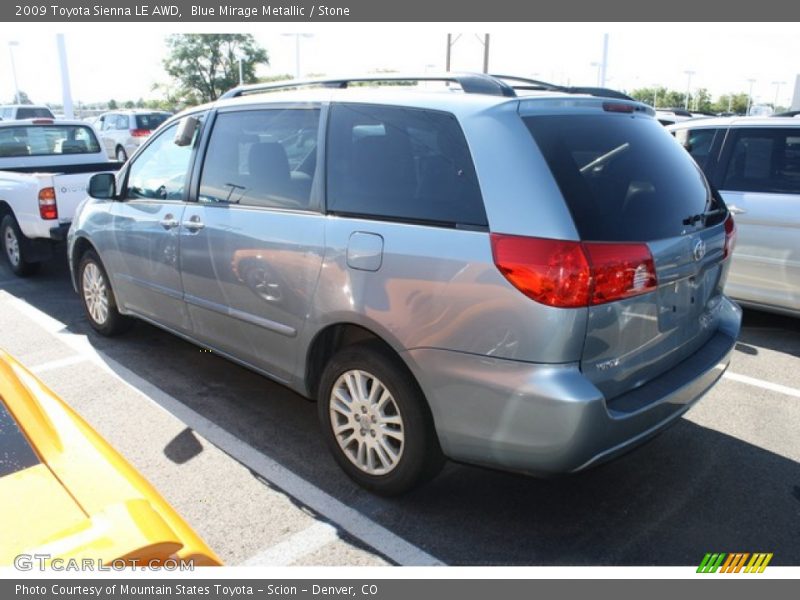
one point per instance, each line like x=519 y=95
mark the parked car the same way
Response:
x=121 y=132
x=44 y=168
x=13 y=112
x=755 y=164
x=670 y=116
x=529 y=282
x=68 y=495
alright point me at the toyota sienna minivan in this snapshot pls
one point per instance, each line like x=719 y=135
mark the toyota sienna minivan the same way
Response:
x=522 y=278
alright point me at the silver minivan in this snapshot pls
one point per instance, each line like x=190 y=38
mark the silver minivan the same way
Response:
x=517 y=278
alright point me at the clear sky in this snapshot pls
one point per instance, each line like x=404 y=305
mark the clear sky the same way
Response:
x=123 y=61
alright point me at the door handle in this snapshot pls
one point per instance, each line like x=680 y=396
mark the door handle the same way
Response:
x=193 y=223
x=735 y=210
x=169 y=222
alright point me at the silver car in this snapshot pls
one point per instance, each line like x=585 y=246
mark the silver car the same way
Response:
x=528 y=280
x=122 y=132
x=755 y=164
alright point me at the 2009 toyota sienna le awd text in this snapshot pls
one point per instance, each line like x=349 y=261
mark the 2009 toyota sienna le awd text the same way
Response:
x=524 y=280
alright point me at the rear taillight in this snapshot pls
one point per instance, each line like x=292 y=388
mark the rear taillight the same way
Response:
x=140 y=132
x=570 y=274
x=730 y=236
x=47 y=203
x=620 y=271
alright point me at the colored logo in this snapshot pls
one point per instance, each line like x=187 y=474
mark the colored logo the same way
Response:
x=735 y=562
x=699 y=250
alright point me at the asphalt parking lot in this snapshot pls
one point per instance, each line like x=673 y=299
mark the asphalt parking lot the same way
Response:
x=241 y=459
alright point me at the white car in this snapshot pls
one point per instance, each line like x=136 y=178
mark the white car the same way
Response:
x=754 y=162
x=13 y=112
x=44 y=168
x=122 y=131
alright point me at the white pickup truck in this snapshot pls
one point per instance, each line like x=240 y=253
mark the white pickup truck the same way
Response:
x=45 y=165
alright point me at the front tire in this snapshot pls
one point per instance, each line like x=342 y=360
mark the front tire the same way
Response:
x=98 y=298
x=14 y=248
x=376 y=421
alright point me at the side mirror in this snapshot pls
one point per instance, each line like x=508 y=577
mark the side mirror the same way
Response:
x=186 y=130
x=103 y=186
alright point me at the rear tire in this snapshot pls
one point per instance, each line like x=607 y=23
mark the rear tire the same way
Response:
x=376 y=421
x=122 y=156
x=13 y=241
x=97 y=297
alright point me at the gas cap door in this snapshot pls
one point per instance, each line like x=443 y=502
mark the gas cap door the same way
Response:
x=365 y=251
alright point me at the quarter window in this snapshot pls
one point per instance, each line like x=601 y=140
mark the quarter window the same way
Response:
x=698 y=143
x=401 y=164
x=764 y=160
x=159 y=172
x=262 y=158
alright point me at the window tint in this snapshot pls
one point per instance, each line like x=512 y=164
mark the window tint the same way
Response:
x=34 y=113
x=123 y=122
x=150 y=121
x=624 y=178
x=45 y=140
x=401 y=163
x=262 y=158
x=764 y=160
x=698 y=143
x=160 y=170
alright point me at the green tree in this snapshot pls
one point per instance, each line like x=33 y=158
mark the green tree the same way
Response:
x=24 y=98
x=206 y=65
x=112 y=104
x=736 y=103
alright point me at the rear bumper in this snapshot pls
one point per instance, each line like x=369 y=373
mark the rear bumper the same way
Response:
x=549 y=419
x=59 y=233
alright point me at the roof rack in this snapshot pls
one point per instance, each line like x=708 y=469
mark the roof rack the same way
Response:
x=471 y=83
x=523 y=83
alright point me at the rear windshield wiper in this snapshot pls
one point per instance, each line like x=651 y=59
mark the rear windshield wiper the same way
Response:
x=691 y=220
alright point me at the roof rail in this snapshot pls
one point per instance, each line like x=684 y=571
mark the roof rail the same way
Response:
x=524 y=83
x=471 y=83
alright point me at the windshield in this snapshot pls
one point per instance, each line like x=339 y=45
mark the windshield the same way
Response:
x=624 y=178
x=44 y=140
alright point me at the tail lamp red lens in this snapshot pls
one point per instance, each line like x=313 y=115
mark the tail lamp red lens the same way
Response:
x=569 y=274
x=730 y=236
x=47 y=203
x=140 y=132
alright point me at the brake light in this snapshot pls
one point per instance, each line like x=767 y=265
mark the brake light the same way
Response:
x=730 y=236
x=47 y=203
x=620 y=271
x=42 y=121
x=140 y=132
x=568 y=274
x=618 y=107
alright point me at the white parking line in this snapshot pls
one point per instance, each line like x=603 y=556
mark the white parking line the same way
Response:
x=58 y=364
x=296 y=546
x=767 y=385
x=348 y=519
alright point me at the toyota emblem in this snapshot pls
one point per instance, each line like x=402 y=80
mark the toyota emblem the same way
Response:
x=699 y=250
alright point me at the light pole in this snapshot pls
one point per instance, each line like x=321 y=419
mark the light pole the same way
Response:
x=750 y=97
x=688 y=87
x=297 y=37
x=655 y=95
x=777 y=85
x=240 y=58
x=11 y=45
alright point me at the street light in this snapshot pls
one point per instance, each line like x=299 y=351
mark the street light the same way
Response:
x=750 y=97
x=688 y=87
x=11 y=45
x=655 y=95
x=777 y=85
x=297 y=37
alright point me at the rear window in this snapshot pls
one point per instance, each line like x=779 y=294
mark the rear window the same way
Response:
x=764 y=160
x=44 y=140
x=401 y=164
x=26 y=112
x=151 y=121
x=624 y=178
